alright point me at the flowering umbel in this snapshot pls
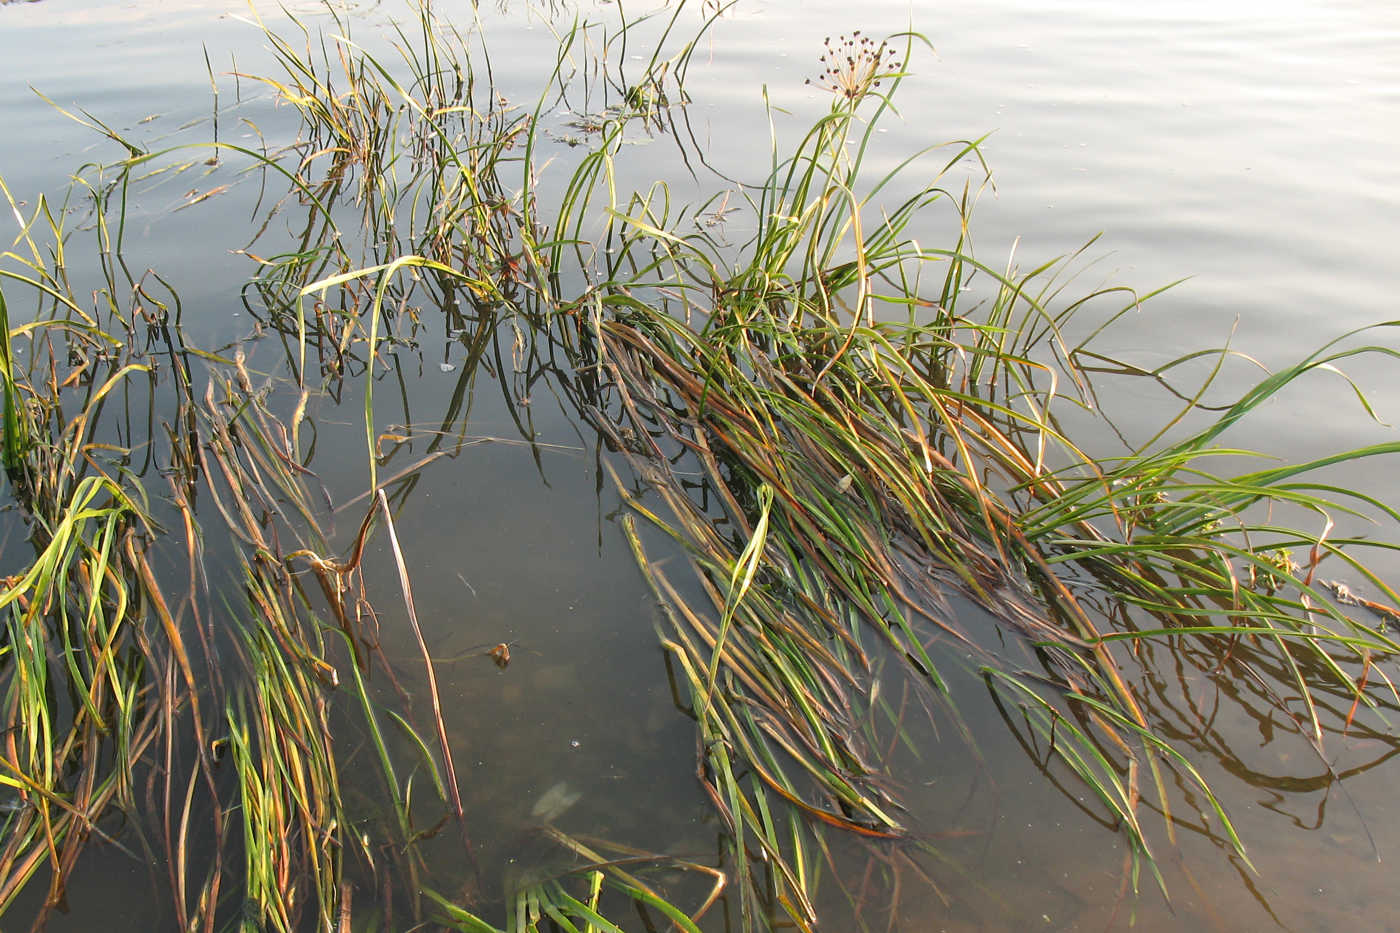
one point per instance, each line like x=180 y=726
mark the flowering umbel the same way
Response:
x=855 y=65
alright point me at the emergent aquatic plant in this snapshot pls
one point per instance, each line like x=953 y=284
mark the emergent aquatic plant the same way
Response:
x=814 y=417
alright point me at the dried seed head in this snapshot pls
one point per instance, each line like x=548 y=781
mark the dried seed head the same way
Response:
x=856 y=65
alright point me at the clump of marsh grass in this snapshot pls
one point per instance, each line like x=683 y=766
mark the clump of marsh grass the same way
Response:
x=299 y=841
x=87 y=642
x=119 y=711
x=77 y=710
x=126 y=692
x=865 y=444
x=423 y=159
x=870 y=443
x=304 y=850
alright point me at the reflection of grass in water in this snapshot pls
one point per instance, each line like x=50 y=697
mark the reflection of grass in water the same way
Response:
x=865 y=444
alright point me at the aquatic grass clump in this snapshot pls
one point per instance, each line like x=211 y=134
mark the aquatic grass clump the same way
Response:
x=870 y=443
x=76 y=690
x=422 y=160
x=815 y=418
x=132 y=728
x=301 y=704
x=88 y=646
x=234 y=780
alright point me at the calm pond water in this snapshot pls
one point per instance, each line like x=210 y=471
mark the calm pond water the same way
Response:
x=1254 y=148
